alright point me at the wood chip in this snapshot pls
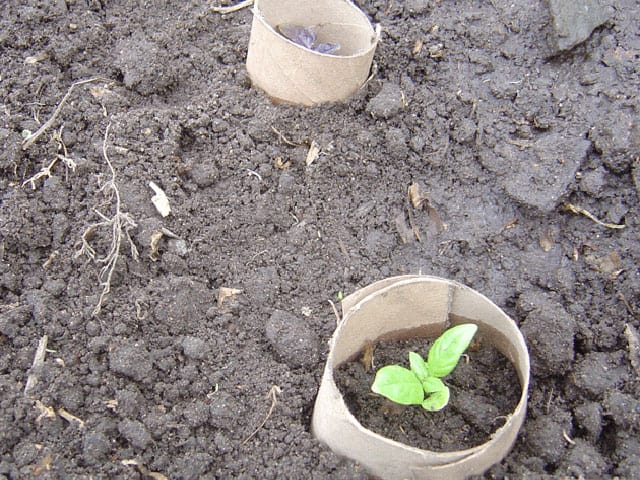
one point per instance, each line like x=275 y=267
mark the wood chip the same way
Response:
x=634 y=347
x=367 y=357
x=225 y=293
x=144 y=470
x=70 y=418
x=313 y=153
x=281 y=164
x=160 y=200
x=155 y=239
x=38 y=361
x=546 y=241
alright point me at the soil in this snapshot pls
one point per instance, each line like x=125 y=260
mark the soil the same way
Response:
x=171 y=377
x=484 y=390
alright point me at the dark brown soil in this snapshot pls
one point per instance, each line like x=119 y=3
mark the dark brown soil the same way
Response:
x=484 y=390
x=498 y=133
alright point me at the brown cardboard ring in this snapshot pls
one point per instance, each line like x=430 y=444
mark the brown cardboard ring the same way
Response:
x=291 y=73
x=403 y=305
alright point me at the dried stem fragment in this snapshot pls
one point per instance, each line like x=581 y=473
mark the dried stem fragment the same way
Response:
x=27 y=142
x=273 y=394
x=38 y=361
x=634 y=347
x=232 y=8
x=581 y=211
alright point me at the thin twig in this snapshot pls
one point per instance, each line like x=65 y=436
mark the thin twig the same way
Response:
x=273 y=394
x=232 y=8
x=27 y=142
x=285 y=139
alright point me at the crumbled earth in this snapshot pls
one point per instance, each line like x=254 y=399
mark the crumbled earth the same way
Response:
x=528 y=158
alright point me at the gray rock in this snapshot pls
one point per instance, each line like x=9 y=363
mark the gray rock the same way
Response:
x=130 y=401
x=131 y=360
x=292 y=340
x=25 y=453
x=593 y=181
x=95 y=447
x=543 y=179
x=135 y=432
x=588 y=417
x=635 y=174
x=617 y=136
x=550 y=333
x=574 y=20
x=418 y=6
x=582 y=461
x=224 y=411
x=204 y=174
x=146 y=67
x=191 y=466
x=397 y=144
x=387 y=103
x=11 y=152
x=182 y=297
x=624 y=408
x=196 y=413
x=599 y=372
x=627 y=448
x=476 y=409
x=194 y=347
x=544 y=436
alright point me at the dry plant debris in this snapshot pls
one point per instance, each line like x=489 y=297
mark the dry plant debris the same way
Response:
x=45 y=172
x=273 y=395
x=225 y=293
x=546 y=241
x=160 y=200
x=634 y=347
x=45 y=412
x=38 y=361
x=284 y=139
x=27 y=142
x=232 y=8
x=144 y=470
x=120 y=224
x=313 y=153
x=72 y=419
x=581 y=211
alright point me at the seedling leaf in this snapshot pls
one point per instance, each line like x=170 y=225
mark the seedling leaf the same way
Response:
x=399 y=385
x=418 y=366
x=433 y=385
x=437 y=401
x=448 y=348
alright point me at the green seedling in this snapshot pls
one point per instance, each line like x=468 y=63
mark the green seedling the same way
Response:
x=409 y=386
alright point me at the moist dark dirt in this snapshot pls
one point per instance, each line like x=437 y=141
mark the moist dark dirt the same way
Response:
x=467 y=103
x=484 y=390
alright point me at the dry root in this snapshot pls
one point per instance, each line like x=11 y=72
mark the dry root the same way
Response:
x=120 y=224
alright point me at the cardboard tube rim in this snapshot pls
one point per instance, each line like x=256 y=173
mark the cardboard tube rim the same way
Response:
x=423 y=463
x=374 y=30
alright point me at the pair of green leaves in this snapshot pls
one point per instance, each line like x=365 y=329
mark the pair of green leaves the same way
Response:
x=409 y=386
